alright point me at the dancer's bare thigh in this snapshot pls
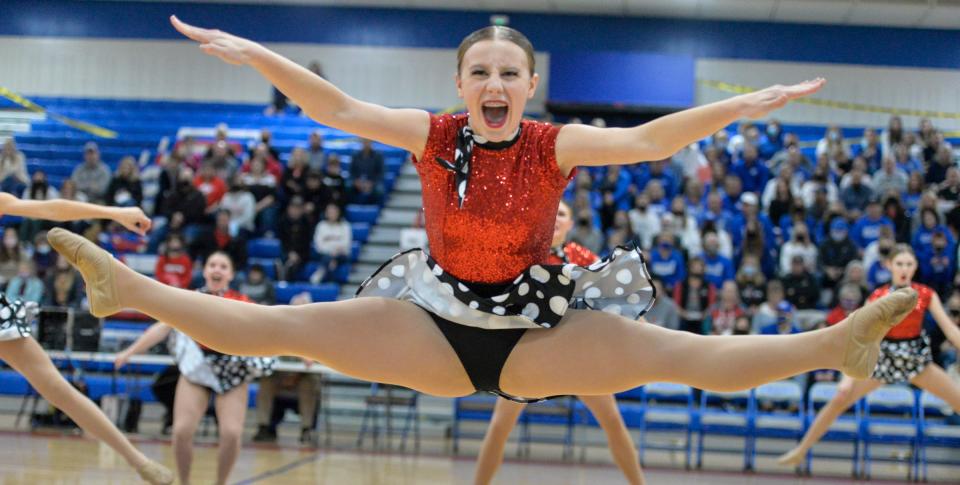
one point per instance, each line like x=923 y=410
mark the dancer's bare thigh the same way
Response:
x=589 y=353
x=381 y=340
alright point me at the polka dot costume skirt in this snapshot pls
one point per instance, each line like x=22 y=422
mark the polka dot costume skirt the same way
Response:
x=538 y=298
x=902 y=360
x=215 y=371
x=15 y=318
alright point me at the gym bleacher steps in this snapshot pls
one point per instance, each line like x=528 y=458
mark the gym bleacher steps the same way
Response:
x=400 y=211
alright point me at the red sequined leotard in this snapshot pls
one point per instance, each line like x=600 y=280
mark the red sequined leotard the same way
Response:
x=506 y=222
x=572 y=253
x=912 y=325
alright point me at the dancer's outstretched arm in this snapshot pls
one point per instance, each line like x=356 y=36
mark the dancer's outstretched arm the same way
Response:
x=660 y=138
x=319 y=99
x=949 y=327
x=152 y=336
x=132 y=218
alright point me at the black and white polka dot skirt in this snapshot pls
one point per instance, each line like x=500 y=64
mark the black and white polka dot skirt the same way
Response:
x=902 y=360
x=15 y=318
x=213 y=370
x=538 y=298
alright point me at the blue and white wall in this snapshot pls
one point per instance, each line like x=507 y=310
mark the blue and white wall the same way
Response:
x=406 y=57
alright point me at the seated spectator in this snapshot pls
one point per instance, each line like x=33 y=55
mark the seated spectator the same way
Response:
x=800 y=287
x=225 y=237
x=38 y=189
x=261 y=153
x=316 y=158
x=184 y=210
x=869 y=149
x=125 y=189
x=585 y=233
x=307 y=387
x=781 y=200
x=766 y=312
x=939 y=266
x=722 y=315
x=367 y=163
x=785 y=325
x=44 y=256
x=664 y=312
x=693 y=296
x=294 y=232
x=211 y=186
x=890 y=178
x=263 y=185
x=220 y=158
x=620 y=233
x=25 y=285
x=800 y=245
x=666 y=262
x=772 y=140
x=334 y=181
x=819 y=181
x=13 y=168
x=12 y=254
x=742 y=326
x=242 y=206
x=858 y=165
x=295 y=175
x=894 y=210
x=643 y=222
x=856 y=274
x=753 y=173
x=850 y=297
x=949 y=190
x=836 y=252
x=930 y=224
x=732 y=190
x=174 y=266
x=856 y=196
x=892 y=135
x=258 y=287
x=316 y=196
x=832 y=139
x=364 y=191
x=332 y=240
x=92 y=176
x=266 y=139
x=681 y=221
x=867 y=228
x=719 y=269
x=937 y=170
x=751 y=282
x=64 y=286
x=877 y=273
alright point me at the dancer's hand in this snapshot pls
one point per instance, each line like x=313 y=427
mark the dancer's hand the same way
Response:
x=121 y=360
x=133 y=219
x=229 y=48
x=758 y=104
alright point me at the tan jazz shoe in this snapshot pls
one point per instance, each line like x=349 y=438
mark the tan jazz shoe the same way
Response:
x=96 y=267
x=868 y=327
x=155 y=473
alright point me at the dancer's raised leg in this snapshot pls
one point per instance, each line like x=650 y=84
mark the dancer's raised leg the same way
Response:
x=374 y=339
x=604 y=353
x=624 y=452
x=849 y=391
x=29 y=359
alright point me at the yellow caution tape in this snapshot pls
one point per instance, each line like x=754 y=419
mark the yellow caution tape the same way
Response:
x=80 y=125
x=828 y=103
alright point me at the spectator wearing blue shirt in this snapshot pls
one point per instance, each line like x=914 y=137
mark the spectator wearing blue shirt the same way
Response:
x=753 y=173
x=857 y=195
x=718 y=269
x=939 y=266
x=867 y=228
x=785 y=321
x=772 y=140
x=715 y=211
x=922 y=240
x=750 y=212
x=732 y=189
x=869 y=149
x=658 y=170
x=666 y=262
x=617 y=182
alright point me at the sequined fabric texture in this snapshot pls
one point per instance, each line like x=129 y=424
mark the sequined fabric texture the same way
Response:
x=506 y=222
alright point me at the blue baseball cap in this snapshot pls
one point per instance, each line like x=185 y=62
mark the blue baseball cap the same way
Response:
x=839 y=224
x=784 y=307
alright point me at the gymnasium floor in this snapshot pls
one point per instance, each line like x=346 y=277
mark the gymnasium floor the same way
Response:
x=46 y=458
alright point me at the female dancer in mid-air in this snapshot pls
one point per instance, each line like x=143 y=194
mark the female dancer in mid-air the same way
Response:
x=201 y=371
x=604 y=408
x=904 y=355
x=481 y=313
x=26 y=356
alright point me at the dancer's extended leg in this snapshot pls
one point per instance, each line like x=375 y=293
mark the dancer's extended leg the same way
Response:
x=849 y=391
x=374 y=339
x=624 y=452
x=231 y=410
x=935 y=380
x=604 y=353
x=29 y=359
x=505 y=414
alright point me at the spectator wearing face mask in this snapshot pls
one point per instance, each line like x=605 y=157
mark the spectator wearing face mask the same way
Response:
x=836 y=252
x=877 y=273
x=799 y=245
x=867 y=228
x=718 y=268
x=799 y=285
x=786 y=323
x=850 y=298
x=694 y=296
x=666 y=262
x=939 y=266
x=751 y=282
